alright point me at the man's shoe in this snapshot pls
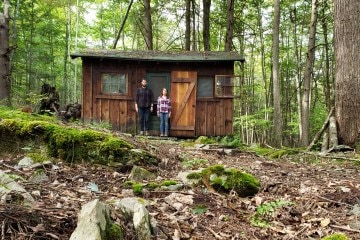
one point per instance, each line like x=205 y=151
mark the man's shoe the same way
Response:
x=146 y=133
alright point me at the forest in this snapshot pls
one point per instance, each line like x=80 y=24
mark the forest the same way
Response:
x=292 y=78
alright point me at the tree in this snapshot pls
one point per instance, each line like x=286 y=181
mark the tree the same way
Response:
x=187 y=25
x=148 y=25
x=230 y=25
x=276 y=85
x=347 y=71
x=206 y=24
x=310 y=56
x=4 y=54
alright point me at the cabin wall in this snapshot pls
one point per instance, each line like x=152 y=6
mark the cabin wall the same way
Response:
x=214 y=116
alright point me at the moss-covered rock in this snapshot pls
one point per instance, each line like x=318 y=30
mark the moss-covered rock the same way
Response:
x=336 y=236
x=69 y=143
x=226 y=179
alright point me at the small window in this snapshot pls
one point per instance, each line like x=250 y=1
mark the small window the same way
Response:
x=205 y=87
x=114 y=83
x=227 y=86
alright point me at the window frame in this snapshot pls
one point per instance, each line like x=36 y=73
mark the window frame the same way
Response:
x=212 y=86
x=231 y=86
x=120 y=74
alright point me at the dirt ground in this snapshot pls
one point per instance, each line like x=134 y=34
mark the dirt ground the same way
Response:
x=302 y=196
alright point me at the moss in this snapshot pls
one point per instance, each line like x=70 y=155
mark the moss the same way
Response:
x=336 y=236
x=38 y=157
x=137 y=188
x=114 y=232
x=152 y=185
x=204 y=140
x=168 y=183
x=128 y=184
x=231 y=179
x=194 y=175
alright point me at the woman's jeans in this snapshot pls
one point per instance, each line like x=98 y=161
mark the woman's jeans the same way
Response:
x=164 y=123
x=144 y=118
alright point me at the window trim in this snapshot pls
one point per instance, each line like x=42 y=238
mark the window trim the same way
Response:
x=126 y=93
x=232 y=85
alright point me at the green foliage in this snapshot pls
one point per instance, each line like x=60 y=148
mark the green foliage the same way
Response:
x=336 y=236
x=204 y=140
x=199 y=209
x=265 y=211
x=38 y=157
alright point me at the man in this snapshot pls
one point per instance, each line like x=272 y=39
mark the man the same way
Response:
x=144 y=105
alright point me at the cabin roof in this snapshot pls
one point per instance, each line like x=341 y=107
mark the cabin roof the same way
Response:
x=149 y=55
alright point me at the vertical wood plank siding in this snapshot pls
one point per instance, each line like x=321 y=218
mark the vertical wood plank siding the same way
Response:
x=213 y=116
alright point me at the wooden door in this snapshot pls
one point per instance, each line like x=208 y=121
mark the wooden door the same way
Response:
x=183 y=103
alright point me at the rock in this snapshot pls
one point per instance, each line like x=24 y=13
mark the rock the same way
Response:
x=26 y=162
x=38 y=177
x=139 y=174
x=9 y=186
x=141 y=222
x=94 y=223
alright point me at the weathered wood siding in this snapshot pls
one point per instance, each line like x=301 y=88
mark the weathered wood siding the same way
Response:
x=213 y=117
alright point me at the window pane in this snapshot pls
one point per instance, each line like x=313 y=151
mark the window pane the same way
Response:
x=204 y=87
x=227 y=86
x=114 y=83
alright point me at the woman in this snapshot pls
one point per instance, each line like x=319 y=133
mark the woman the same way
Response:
x=164 y=112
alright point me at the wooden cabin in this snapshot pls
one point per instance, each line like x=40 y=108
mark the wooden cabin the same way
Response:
x=201 y=86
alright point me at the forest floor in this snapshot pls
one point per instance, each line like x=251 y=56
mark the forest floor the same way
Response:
x=302 y=196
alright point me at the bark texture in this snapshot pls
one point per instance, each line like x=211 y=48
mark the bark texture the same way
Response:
x=347 y=71
x=4 y=55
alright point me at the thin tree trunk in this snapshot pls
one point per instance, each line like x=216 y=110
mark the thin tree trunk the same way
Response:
x=148 y=25
x=276 y=79
x=187 y=25
x=4 y=55
x=193 y=14
x=327 y=85
x=305 y=103
x=124 y=21
x=230 y=25
x=206 y=24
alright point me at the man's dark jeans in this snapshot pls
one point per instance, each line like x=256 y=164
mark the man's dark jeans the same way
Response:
x=144 y=118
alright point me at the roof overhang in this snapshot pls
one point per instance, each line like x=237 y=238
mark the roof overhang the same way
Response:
x=159 y=56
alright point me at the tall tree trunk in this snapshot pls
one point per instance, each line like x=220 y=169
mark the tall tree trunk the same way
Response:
x=276 y=81
x=327 y=85
x=230 y=25
x=124 y=21
x=206 y=24
x=148 y=25
x=187 y=25
x=347 y=71
x=193 y=14
x=305 y=103
x=4 y=55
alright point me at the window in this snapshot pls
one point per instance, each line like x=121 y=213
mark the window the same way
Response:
x=227 y=86
x=114 y=83
x=205 y=87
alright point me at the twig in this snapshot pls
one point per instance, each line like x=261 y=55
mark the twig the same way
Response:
x=217 y=236
x=3 y=230
x=329 y=200
x=345 y=228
